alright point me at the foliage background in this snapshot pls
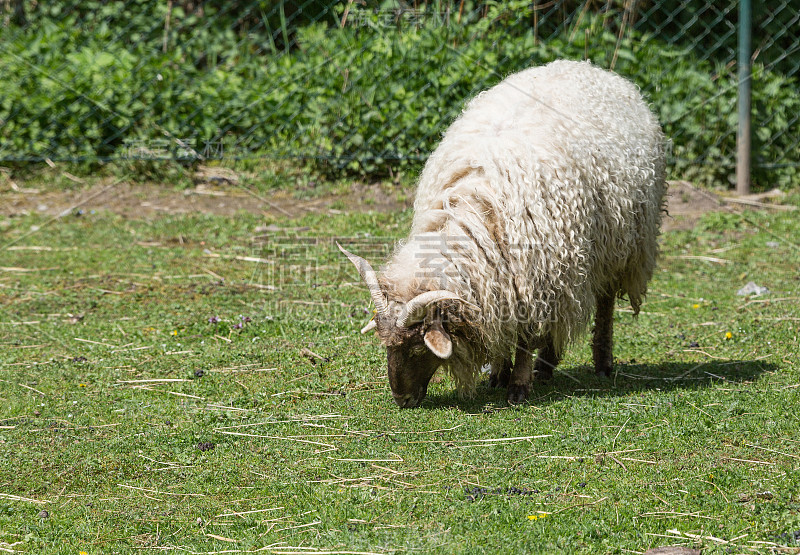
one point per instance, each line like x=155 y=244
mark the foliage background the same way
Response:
x=368 y=87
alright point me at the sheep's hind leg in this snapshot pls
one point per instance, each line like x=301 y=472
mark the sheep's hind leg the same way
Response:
x=520 y=383
x=500 y=372
x=546 y=360
x=603 y=336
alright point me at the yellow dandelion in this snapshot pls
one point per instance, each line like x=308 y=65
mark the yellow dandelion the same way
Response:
x=536 y=517
x=174 y=332
x=82 y=553
x=728 y=335
x=695 y=305
x=81 y=385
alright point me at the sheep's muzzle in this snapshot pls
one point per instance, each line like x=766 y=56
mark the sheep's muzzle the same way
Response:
x=410 y=366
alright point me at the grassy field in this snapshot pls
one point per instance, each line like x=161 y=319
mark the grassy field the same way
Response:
x=197 y=384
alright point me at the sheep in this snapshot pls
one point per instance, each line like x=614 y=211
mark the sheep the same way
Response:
x=541 y=205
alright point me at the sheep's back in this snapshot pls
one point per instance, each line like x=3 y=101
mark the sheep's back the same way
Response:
x=565 y=141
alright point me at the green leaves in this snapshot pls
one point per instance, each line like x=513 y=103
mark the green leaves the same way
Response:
x=364 y=99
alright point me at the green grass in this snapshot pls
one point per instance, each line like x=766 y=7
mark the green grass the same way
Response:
x=684 y=445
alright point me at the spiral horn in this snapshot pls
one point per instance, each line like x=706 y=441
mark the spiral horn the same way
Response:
x=414 y=310
x=371 y=279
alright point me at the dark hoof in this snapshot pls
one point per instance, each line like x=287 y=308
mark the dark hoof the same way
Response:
x=543 y=374
x=517 y=394
x=604 y=369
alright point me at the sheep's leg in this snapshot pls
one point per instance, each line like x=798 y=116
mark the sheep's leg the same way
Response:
x=546 y=360
x=521 y=376
x=603 y=336
x=500 y=372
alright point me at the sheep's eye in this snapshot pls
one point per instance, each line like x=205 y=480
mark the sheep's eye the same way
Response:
x=418 y=350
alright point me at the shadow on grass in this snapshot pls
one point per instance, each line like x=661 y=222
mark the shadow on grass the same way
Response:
x=581 y=381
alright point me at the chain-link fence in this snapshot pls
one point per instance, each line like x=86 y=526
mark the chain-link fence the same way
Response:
x=369 y=86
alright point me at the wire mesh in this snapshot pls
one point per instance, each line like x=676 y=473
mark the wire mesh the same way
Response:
x=369 y=86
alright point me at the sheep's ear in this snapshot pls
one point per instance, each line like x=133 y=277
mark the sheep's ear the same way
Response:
x=438 y=341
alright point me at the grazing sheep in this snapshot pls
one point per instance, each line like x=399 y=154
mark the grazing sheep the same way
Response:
x=541 y=205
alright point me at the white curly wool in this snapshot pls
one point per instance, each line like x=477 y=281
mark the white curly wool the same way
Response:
x=546 y=192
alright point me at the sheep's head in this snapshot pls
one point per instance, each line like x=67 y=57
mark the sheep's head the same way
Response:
x=414 y=335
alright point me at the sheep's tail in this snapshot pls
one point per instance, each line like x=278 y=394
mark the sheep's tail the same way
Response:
x=639 y=270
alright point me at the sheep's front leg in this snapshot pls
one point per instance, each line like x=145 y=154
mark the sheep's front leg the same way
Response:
x=546 y=360
x=603 y=336
x=500 y=372
x=520 y=382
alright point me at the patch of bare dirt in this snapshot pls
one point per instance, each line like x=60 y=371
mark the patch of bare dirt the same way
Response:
x=686 y=204
x=226 y=198
x=221 y=194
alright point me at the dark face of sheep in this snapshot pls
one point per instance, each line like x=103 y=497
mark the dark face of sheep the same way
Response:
x=414 y=354
x=415 y=338
x=410 y=371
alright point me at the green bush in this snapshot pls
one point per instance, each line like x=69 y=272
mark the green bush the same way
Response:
x=364 y=99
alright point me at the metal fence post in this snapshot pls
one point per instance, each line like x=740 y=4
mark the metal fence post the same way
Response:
x=743 y=134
